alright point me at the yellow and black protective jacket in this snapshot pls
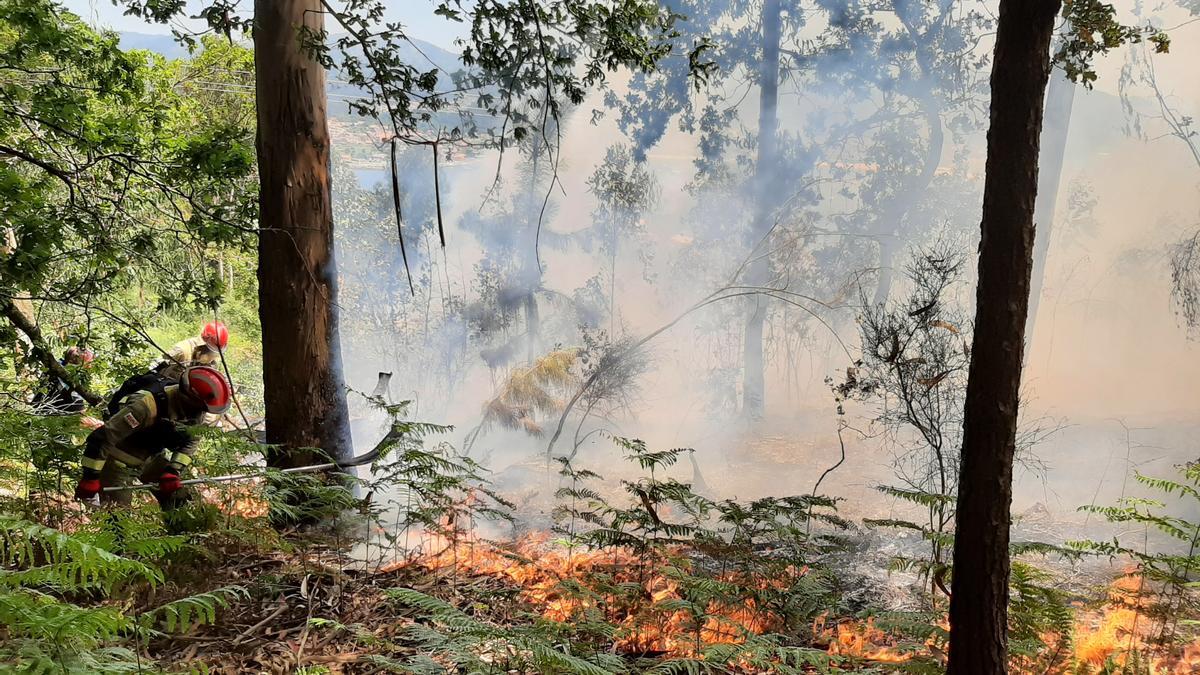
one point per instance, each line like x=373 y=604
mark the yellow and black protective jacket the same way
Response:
x=148 y=422
x=190 y=352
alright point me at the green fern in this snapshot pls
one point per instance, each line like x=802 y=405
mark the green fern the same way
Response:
x=449 y=635
x=195 y=610
x=46 y=556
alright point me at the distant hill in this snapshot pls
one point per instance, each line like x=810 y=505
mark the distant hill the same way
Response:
x=417 y=55
x=422 y=55
x=159 y=44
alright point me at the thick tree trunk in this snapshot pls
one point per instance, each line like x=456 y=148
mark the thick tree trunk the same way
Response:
x=1060 y=97
x=753 y=363
x=979 y=604
x=297 y=283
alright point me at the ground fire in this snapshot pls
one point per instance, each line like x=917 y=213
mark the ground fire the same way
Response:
x=1113 y=635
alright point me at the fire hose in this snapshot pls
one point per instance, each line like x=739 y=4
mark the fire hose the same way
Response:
x=365 y=458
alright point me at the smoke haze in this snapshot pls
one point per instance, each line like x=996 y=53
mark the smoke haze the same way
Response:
x=1107 y=353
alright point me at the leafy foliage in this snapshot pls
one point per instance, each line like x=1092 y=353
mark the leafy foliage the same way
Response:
x=105 y=166
x=914 y=369
x=1092 y=30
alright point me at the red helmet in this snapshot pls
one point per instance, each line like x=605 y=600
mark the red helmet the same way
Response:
x=215 y=334
x=209 y=386
x=79 y=355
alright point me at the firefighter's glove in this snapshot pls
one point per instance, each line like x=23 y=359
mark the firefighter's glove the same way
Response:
x=169 y=482
x=87 y=490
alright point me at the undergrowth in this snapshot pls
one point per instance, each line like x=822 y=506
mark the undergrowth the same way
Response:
x=648 y=578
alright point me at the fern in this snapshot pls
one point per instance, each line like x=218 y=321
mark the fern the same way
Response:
x=919 y=497
x=1038 y=609
x=1171 y=573
x=46 y=634
x=45 y=564
x=476 y=646
x=135 y=533
x=195 y=610
x=46 y=556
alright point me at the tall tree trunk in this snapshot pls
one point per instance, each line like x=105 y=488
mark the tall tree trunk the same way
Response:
x=530 y=269
x=753 y=364
x=1060 y=97
x=612 y=281
x=297 y=283
x=979 y=604
x=532 y=327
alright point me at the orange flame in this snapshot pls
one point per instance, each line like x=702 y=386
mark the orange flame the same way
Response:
x=859 y=639
x=1123 y=627
x=540 y=569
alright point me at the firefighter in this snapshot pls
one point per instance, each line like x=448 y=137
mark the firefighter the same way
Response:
x=148 y=437
x=204 y=350
x=57 y=397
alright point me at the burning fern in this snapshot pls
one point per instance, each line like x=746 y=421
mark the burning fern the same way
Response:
x=528 y=392
x=448 y=635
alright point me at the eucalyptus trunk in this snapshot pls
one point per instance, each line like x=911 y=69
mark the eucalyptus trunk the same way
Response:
x=758 y=272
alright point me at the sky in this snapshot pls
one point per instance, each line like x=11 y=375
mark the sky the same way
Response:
x=416 y=15
x=418 y=18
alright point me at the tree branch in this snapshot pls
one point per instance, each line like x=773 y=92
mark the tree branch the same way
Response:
x=26 y=325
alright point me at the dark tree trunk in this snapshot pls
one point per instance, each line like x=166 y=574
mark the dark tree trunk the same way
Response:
x=1060 y=97
x=753 y=363
x=979 y=604
x=297 y=283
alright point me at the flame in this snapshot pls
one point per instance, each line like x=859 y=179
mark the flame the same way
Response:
x=1124 y=627
x=861 y=640
x=539 y=570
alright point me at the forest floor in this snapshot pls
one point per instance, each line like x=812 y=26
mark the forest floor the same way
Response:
x=317 y=610
x=315 y=606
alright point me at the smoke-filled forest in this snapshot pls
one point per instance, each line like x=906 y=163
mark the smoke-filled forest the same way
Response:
x=600 y=336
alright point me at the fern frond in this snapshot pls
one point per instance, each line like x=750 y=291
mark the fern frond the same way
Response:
x=67 y=562
x=195 y=610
